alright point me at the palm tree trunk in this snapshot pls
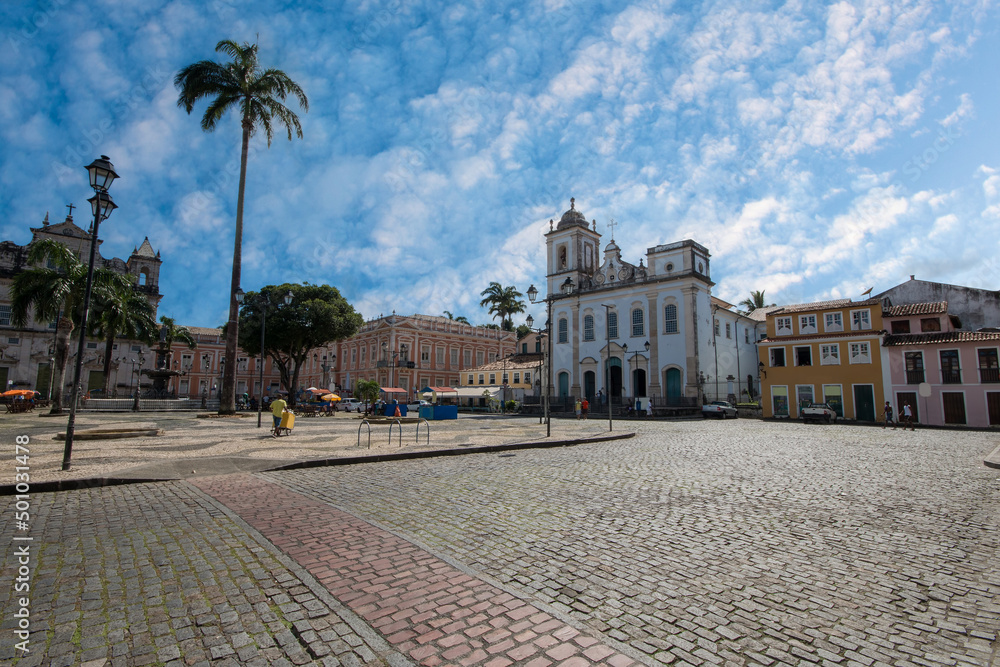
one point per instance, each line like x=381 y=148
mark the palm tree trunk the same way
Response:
x=108 y=349
x=227 y=398
x=64 y=329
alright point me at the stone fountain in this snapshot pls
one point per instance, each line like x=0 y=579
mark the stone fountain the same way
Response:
x=160 y=374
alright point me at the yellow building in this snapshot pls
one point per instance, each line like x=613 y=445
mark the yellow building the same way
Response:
x=828 y=352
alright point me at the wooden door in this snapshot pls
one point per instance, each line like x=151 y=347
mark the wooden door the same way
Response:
x=993 y=407
x=954 y=407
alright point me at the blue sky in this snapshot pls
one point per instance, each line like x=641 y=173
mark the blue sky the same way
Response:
x=816 y=150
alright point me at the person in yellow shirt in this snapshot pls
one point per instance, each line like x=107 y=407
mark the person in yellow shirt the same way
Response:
x=278 y=406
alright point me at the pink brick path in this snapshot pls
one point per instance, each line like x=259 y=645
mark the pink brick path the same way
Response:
x=423 y=606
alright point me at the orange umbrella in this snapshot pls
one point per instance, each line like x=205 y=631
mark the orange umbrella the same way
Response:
x=19 y=392
x=330 y=397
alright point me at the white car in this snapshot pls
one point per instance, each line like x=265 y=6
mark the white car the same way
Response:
x=818 y=412
x=720 y=409
x=351 y=405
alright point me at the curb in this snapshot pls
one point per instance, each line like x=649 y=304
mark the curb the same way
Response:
x=993 y=460
x=97 y=482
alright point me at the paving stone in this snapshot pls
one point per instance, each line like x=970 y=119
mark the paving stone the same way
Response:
x=745 y=539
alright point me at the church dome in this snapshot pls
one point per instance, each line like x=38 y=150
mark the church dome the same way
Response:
x=573 y=218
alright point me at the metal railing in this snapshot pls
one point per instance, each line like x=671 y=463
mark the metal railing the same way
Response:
x=915 y=376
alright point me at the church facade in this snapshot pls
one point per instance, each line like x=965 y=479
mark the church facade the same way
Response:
x=26 y=353
x=650 y=330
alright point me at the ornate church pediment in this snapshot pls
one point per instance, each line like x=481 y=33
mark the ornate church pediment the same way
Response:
x=615 y=269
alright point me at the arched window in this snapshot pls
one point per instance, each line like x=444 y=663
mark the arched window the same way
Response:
x=670 y=319
x=638 y=325
x=612 y=325
x=563 y=330
x=588 y=327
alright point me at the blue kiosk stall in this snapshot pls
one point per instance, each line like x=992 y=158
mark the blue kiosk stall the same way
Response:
x=392 y=398
x=439 y=410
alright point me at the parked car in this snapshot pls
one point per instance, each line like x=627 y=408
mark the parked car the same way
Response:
x=351 y=405
x=818 y=412
x=720 y=409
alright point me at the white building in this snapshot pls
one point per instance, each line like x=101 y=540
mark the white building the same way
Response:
x=606 y=311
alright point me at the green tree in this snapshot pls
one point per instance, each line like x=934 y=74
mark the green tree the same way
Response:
x=317 y=315
x=754 y=301
x=54 y=290
x=460 y=318
x=522 y=331
x=128 y=315
x=257 y=94
x=503 y=302
x=367 y=391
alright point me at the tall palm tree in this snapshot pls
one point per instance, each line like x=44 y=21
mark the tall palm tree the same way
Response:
x=754 y=301
x=127 y=315
x=257 y=94
x=176 y=332
x=55 y=289
x=503 y=302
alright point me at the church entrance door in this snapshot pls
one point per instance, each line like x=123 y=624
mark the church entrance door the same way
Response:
x=639 y=381
x=590 y=385
x=673 y=383
x=615 y=378
x=563 y=384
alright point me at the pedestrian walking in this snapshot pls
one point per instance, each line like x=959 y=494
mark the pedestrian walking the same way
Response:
x=578 y=408
x=887 y=415
x=908 y=417
x=584 y=407
x=277 y=407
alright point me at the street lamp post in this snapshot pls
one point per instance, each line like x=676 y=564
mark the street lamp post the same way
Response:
x=102 y=175
x=532 y=295
x=263 y=302
x=402 y=360
x=138 y=382
x=607 y=330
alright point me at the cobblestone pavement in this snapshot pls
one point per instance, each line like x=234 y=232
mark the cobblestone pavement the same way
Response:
x=700 y=543
x=740 y=542
x=158 y=574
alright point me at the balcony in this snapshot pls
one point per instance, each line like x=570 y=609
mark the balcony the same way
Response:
x=951 y=375
x=989 y=375
x=915 y=377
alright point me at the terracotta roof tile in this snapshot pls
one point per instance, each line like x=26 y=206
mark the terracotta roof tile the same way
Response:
x=940 y=337
x=905 y=309
x=837 y=334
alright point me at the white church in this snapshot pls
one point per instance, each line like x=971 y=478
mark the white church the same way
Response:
x=651 y=331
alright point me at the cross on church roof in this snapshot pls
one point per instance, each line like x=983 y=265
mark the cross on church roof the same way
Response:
x=70 y=214
x=611 y=226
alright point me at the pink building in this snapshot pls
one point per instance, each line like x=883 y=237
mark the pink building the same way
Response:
x=410 y=352
x=948 y=376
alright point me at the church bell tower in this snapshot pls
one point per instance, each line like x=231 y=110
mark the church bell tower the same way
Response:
x=571 y=251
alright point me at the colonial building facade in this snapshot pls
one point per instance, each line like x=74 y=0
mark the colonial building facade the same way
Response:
x=827 y=352
x=947 y=376
x=647 y=330
x=410 y=352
